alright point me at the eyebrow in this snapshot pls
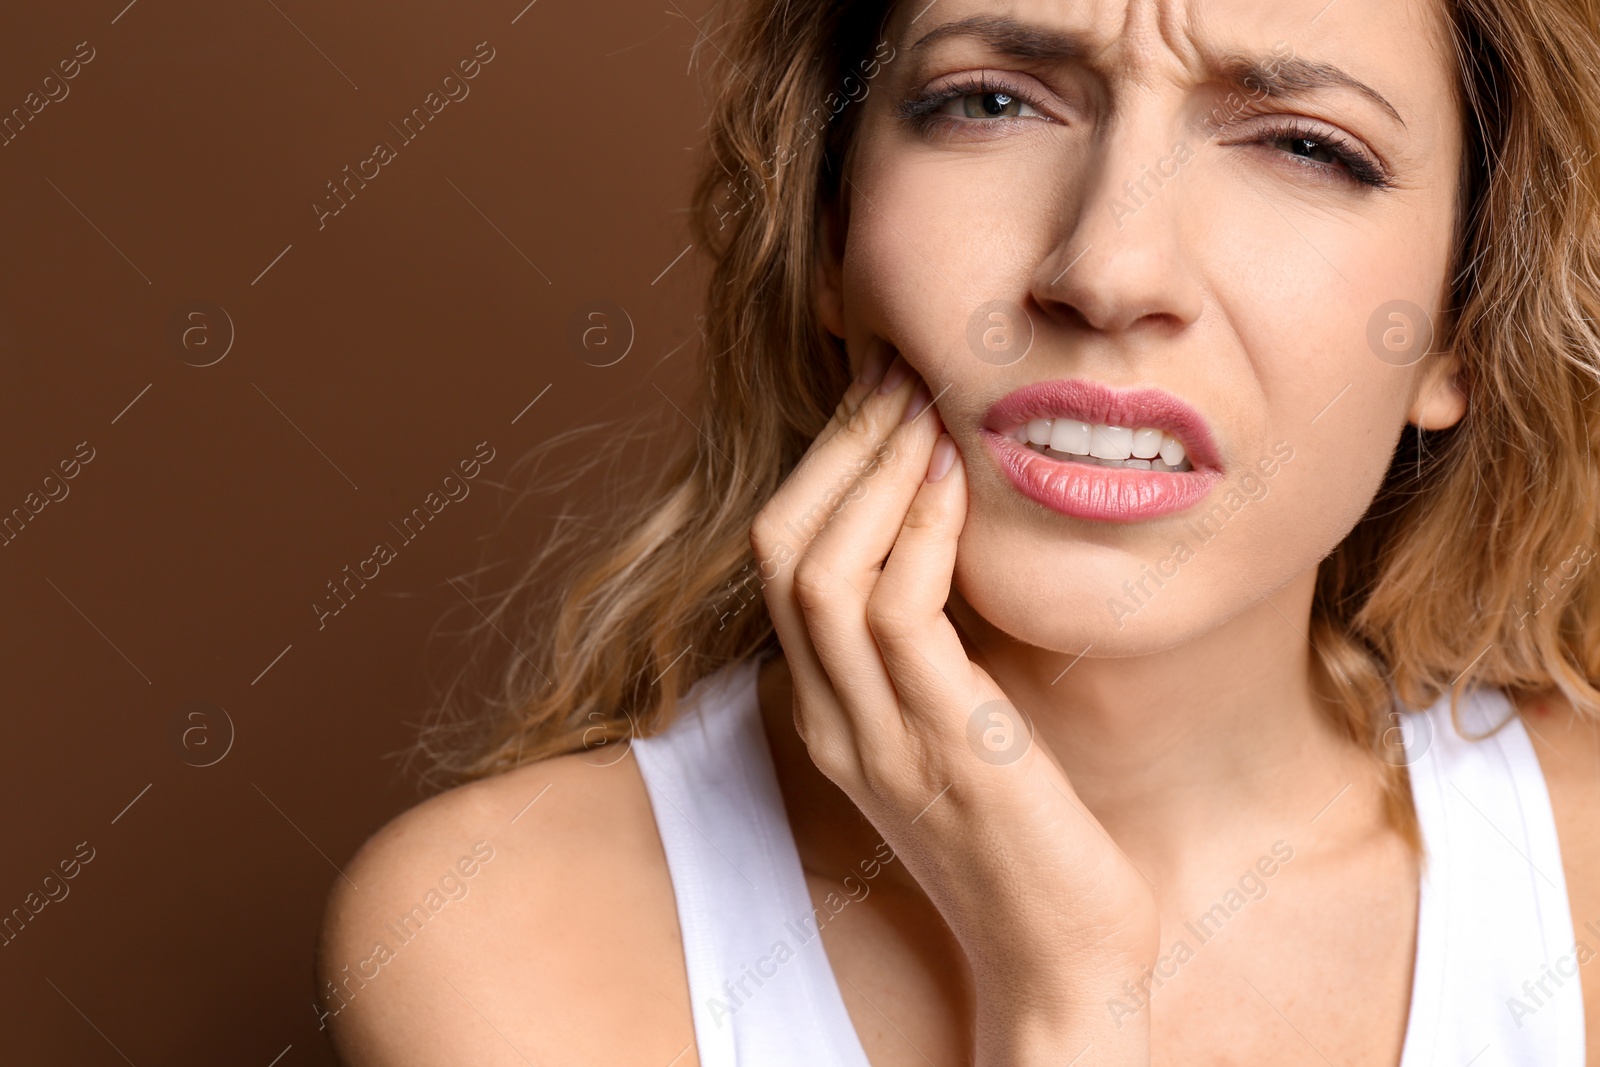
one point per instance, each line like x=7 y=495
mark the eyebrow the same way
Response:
x=1269 y=75
x=1014 y=38
x=1283 y=78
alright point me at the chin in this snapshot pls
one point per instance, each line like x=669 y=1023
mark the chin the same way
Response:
x=1090 y=587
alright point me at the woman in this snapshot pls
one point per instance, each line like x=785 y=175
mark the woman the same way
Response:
x=1179 y=645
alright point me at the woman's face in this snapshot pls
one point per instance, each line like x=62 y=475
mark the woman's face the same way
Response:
x=1099 y=191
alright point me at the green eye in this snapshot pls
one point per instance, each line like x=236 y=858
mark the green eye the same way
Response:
x=969 y=100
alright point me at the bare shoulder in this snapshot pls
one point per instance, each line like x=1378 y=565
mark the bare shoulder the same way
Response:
x=1568 y=745
x=509 y=921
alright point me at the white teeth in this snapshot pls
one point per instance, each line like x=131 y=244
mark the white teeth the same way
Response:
x=1070 y=436
x=1147 y=443
x=1111 y=442
x=1143 y=448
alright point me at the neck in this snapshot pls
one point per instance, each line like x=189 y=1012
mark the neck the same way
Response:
x=1175 y=751
x=1187 y=757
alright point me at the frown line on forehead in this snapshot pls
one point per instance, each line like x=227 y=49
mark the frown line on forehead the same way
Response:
x=1270 y=74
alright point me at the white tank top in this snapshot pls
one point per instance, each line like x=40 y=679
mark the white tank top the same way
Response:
x=1496 y=973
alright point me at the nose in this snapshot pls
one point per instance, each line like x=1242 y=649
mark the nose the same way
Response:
x=1124 y=257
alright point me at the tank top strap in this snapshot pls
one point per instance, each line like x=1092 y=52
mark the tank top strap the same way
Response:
x=1496 y=974
x=761 y=988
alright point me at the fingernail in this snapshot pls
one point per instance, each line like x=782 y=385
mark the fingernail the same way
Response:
x=898 y=371
x=919 y=400
x=876 y=363
x=944 y=457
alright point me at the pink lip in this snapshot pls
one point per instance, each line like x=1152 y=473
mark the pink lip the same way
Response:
x=1106 y=494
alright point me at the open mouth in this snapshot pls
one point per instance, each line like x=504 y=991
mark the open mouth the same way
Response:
x=1090 y=451
x=1103 y=445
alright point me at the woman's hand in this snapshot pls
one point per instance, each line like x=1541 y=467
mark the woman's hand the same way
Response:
x=1052 y=917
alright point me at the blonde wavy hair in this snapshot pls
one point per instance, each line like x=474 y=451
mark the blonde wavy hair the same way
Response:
x=1444 y=584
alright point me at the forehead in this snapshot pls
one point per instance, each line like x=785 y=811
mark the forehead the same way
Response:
x=1396 y=51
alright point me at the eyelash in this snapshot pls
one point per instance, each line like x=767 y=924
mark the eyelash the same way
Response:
x=920 y=111
x=1363 y=170
x=1360 y=169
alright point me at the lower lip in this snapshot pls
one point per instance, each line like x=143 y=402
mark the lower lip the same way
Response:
x=1103 y=494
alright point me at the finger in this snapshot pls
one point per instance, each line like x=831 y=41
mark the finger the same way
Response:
x=785 y=526
x=834 y=581
x=906 y=612
x=806 y=500
x=878 y=357
x=860 y=532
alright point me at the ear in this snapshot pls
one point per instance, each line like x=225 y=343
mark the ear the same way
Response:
x=830 y=267
x=1441 y=399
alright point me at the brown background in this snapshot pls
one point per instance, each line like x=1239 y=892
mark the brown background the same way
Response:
x=365 y=362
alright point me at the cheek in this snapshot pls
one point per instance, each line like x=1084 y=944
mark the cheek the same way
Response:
x=1306 y=412
x=927 y=251
x=1320 y=316
x=1301 y=475
x=897 y=281
x=1128 y=590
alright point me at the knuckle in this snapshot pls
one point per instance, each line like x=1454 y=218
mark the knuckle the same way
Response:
x=924 y=518
x=772 y=551
x=817 y=514
x=763 y=532
x=833 y=762
x=844 y=410
x=803 y=726
x=833 y=756
x=890 y=623
x=883 y=779
x=813 y=584
x=856 y=420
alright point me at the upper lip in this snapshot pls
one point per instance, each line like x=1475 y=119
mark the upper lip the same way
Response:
x=1091 y=402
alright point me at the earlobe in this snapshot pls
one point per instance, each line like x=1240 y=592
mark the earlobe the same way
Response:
x=830 y=269
x=1441 y=395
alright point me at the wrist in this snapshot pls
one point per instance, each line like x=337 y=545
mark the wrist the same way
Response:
x=1056 y=1026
